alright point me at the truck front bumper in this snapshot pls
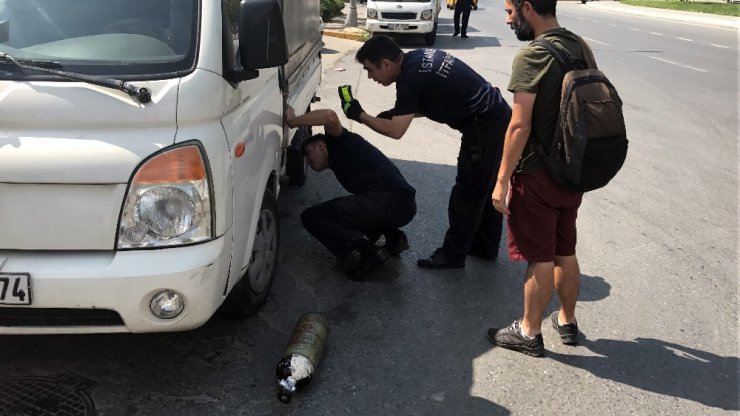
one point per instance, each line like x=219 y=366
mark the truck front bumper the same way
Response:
x=414 y=27
x=110 y=291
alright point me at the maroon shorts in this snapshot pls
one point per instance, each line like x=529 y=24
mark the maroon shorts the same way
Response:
x=542 y=223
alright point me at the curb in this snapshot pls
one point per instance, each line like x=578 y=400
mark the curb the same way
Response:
x=357 y=36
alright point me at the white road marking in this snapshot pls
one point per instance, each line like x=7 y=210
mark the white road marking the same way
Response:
x=613 y=25
x=686 y=39
x=597 y=22
x=656 y=33
x=720 y=46
x=596 y=41
x=634 y=29
x=676 y=63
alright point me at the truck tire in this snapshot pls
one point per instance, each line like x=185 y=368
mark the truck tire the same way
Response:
x=252 y=290
x=296 y=166
x=430 y=37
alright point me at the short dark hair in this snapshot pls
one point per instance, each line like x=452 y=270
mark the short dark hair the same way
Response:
x=541 y=7
x=377 y=48
x=320 y=137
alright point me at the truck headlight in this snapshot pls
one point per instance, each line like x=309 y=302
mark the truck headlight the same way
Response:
x=372 y=14
x=426 y=15
x=168 y=202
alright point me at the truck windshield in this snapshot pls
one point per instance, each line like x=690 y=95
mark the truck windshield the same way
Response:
x=138 y=38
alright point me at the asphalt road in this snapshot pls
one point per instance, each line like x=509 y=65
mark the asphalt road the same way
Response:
x=658 y=251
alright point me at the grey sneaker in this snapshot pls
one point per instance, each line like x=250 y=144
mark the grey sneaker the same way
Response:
x=511 y=338
x=568 y=332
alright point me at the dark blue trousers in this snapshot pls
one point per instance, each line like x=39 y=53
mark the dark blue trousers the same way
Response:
x=340 y=223
x=465 y=12
x=474 y=224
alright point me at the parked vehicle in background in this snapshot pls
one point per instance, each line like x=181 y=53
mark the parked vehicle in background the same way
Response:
x=451 y=4
x=418 y=17
x=142 y=144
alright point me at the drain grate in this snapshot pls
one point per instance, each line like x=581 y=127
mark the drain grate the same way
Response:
x=63 y=395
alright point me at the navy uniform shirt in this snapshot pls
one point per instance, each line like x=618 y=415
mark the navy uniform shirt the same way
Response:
x=360 y=167
x=443 y=88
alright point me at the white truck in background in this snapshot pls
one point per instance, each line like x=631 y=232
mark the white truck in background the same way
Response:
x=408 y=17
x=142 y=145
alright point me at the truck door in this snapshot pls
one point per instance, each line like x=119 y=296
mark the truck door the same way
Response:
x=253 y=120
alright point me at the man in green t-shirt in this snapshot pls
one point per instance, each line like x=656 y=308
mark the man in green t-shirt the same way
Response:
x=541 y=214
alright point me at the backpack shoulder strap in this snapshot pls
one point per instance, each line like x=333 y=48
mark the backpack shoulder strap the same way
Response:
x=588 y=54
x=563 y=58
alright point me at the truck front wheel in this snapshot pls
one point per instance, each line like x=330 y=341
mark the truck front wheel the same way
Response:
x=430 y=37
x=251 y=291
x=296 y=167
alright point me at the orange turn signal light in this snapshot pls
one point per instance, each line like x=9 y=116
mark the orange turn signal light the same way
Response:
x=240 y=149
x=176 y=165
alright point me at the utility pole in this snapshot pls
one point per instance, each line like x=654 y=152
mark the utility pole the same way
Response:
x=351 y=20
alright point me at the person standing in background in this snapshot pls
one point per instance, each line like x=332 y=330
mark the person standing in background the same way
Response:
x=462 y=7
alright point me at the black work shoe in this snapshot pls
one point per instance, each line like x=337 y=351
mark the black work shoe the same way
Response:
x=511 y=338
x=456 y=33
x=439 y=260
x=396 y=242
x=464 y=36
x=367 y=264
x=568 y=332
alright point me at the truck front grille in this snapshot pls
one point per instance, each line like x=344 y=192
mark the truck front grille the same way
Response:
x=398 y=15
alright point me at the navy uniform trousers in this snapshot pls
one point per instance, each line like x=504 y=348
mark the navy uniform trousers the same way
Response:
x=341 y=222
x=464 y=10
x=475 y=226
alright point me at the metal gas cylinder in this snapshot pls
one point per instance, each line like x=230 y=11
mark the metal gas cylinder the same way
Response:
x=302 y=354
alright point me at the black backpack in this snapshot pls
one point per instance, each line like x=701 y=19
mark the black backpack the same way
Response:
x=590 y=143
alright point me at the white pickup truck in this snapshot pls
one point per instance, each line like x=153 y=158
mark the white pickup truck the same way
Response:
x=142 y=145
x=409 y=17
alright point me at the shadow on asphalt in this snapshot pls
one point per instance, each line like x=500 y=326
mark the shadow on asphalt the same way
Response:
x=446 y=41
x=408 y=336
x=662 y=367
x=593 y=288
x=328 y=51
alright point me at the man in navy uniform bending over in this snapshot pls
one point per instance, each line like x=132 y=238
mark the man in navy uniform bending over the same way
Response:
x=434 y=84
x=381 y=200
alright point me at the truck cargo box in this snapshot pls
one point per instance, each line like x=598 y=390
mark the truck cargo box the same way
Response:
x=302 y=21
x=302 y=73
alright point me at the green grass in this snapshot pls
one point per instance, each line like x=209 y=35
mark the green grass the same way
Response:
x=689 y=6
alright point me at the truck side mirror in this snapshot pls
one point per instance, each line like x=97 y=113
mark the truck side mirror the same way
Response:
x=262 y=40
